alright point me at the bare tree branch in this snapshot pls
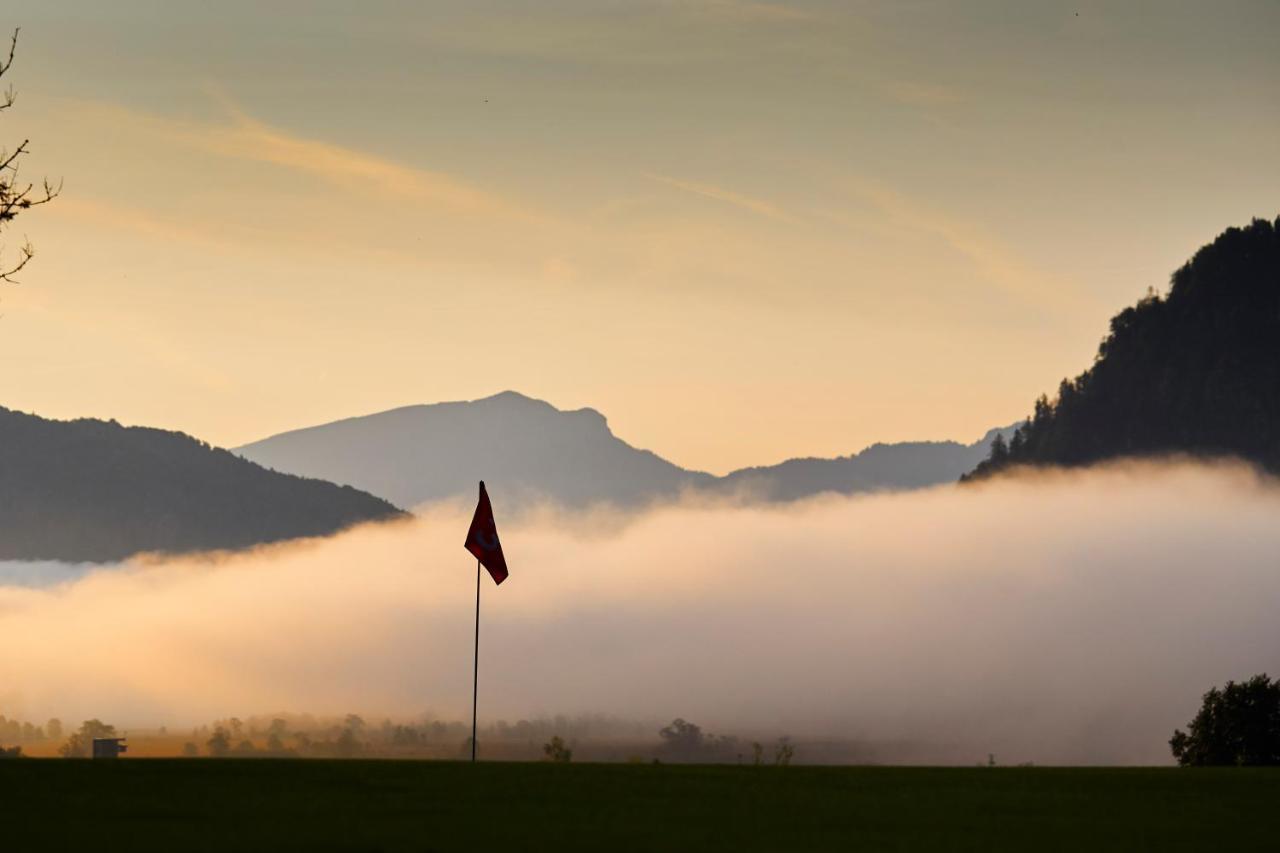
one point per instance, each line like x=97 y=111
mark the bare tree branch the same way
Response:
x=15 y=196
x=27 y=254
x=13 y=48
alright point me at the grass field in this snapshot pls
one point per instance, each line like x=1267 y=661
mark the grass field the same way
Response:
x=312 y=805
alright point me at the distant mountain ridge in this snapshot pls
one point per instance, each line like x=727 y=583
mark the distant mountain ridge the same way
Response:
x=526 y=449
x=880 y=467
x=523 y=448
x=95 y=491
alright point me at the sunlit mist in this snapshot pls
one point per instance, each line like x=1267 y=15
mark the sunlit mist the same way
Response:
x=1054 y=618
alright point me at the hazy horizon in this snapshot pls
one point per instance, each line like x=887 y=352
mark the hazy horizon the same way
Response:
x=963 y=619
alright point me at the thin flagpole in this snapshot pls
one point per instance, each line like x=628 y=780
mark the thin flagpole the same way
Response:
x=475 y=675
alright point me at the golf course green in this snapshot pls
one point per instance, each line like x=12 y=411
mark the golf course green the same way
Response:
x=317 y=805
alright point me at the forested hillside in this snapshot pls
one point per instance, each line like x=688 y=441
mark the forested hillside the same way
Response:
x=1194 y=371
x=90 y=490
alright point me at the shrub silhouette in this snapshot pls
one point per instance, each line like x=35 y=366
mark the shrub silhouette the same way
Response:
x=556 y=751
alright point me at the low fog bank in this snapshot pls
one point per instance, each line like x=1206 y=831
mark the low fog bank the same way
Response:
x=1068 y=617
x=41 y=573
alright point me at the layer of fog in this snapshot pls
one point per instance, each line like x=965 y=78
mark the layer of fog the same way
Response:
x=1056 y=618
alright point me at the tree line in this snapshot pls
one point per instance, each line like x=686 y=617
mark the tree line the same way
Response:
x=1236 y=725
x=555 y=739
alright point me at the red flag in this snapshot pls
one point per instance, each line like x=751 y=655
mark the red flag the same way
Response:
x=482 y=539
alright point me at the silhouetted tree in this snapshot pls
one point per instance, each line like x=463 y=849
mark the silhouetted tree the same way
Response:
x=1016 y=443
x=785 y=752
x=219 y=744
x=53 y=729
x=1237 y=725
x=10 y=752
x=10 y=729
x=681 y=737
x=16 y=196
x=347 y=743
x=275 y=735
x=685 y=741
x=80 y=744
x=556 y=751
x=999 y=450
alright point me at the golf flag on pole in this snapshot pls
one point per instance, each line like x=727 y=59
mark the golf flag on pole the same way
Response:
x=482 y=539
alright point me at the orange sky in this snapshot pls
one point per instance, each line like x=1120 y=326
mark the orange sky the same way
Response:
x=743 y=231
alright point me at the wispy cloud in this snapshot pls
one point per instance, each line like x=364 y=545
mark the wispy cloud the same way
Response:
x=994 y=260
x=242 y=137
x=746 y=202
x=250 y=139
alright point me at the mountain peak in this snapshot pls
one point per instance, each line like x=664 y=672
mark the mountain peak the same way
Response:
x=515 y=398
x=523 y=447
x=510 y=396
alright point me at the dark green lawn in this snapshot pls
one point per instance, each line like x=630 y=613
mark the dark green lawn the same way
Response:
x=177 y=805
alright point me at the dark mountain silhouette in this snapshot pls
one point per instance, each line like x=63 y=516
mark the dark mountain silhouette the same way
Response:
x=94 y=491
x=1194 y=372
x=525 y=449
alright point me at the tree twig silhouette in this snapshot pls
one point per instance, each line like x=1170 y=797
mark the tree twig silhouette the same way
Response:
x=17 y=196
